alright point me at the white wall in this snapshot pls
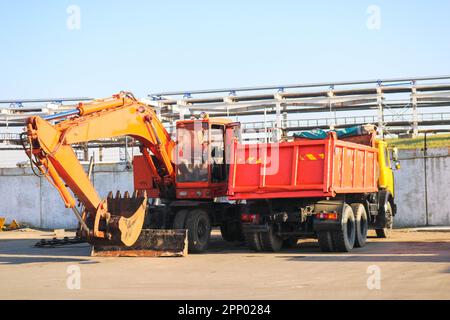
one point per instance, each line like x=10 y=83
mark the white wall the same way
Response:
x=33 y=200
x=410 y=188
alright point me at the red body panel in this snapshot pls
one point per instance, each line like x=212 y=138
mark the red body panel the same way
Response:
x=143 y=179
x=301 y=169
x=200 y=190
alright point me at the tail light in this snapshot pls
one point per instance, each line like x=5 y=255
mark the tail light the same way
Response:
x=250 y=218
x=327 y=216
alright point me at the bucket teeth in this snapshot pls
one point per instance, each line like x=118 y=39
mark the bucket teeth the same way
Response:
x=122 y=220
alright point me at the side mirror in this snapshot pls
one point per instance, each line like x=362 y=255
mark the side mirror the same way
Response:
x=395 y=154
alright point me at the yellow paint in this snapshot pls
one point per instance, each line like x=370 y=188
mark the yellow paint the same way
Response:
x=322 y=156
x=14 y=225
x=311 y=157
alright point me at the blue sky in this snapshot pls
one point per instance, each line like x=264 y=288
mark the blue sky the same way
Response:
x=150 y=46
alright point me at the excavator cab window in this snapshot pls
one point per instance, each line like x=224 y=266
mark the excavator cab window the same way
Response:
x=192 y=152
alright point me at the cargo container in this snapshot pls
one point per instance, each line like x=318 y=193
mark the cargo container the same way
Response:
x=333 y=189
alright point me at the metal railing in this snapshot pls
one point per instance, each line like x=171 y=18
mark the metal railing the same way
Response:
x=390 y=120
x=9 y=137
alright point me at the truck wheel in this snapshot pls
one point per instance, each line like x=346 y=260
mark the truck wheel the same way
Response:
x=384 y=232
x=199 y=230
x=270 y=241
x=290 y=242
x=232 y=231
x=226 y=232
x=180 y=219
x=253 y=241
x=325 y=241
x=344 y=239
x=361 y=223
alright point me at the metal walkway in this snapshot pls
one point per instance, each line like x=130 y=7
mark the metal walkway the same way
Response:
x=383 y=102
x=395 y=105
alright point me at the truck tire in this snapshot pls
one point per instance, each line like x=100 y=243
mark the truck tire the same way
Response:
x=326 y=243
x=384 y=232
x=344 y=239
x=253 y=241
x=226 y=232
x=270 y=241
x=231 y=231
x=180 y=219
x=361 y=224
x=199 y=230
x=290 y=242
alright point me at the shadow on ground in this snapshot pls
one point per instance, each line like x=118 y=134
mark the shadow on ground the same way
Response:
x=22 y=251
x=380 y=251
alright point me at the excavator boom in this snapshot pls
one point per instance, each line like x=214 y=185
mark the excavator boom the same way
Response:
x=116 y=220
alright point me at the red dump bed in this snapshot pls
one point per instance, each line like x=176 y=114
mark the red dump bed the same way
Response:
x=302 y=168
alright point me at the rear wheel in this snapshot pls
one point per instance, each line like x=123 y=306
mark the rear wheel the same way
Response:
x=361 y=224
x=389 y=217
x=199 y=230
x=344 y=239
x=180 y=219
x=253 y=241
x=326 y=243
x=270 y=241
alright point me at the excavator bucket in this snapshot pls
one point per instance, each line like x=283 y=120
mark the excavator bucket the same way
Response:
x=118 y=220
x=151 y=243
x=124 y=233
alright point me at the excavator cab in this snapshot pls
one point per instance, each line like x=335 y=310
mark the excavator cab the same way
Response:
x=202 y=157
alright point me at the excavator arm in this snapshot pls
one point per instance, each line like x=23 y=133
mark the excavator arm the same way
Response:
x=113 y=221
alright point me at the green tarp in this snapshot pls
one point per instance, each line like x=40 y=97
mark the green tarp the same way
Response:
x=319 y=134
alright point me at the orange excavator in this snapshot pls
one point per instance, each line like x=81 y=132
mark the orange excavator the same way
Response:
x=188 y=176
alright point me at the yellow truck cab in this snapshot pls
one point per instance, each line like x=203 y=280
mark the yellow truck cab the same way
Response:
x=386 y=179
x=386 y=186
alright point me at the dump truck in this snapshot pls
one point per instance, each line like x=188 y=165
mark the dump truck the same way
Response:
x=328 y=188
x=332 y=186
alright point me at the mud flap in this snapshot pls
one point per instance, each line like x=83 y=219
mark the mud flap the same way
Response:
x=151 y=243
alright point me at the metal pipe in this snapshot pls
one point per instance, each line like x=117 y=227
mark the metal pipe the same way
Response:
x=64 y=114
x=425 y=155
x=45 y=100
x=292 y=86
x=91 y=167
x=80 y=219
